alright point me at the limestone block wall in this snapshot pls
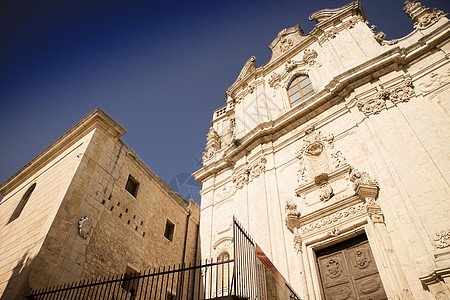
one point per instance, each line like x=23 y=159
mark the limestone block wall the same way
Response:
x=80 y=222
x=21 y=240
x=126 y=231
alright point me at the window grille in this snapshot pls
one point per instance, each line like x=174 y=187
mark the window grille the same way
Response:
x=132 y=186
x=168 y=233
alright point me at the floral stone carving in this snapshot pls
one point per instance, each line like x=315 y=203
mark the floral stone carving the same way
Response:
x=402 y=93
x=85 y=227
x=442 y=239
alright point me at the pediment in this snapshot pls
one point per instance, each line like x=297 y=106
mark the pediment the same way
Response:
x=248 y=69
x=286 y=40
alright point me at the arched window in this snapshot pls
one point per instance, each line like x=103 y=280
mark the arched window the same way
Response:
x=22 y=203
x=223 y=275
x=300 y=89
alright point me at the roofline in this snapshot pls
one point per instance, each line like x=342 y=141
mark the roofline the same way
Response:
x=96 y=119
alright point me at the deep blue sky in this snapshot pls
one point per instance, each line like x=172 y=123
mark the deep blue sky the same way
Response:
x=159 y=68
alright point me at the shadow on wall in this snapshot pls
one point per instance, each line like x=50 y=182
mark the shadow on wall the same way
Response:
x=18 y=286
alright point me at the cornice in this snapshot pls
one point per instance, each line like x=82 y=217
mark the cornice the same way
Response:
x=96 y=119
x=366 y=71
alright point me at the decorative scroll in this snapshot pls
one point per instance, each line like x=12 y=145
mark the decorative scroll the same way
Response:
x=373 y=106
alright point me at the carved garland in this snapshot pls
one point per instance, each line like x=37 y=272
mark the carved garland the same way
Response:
x=373 y=106
x=333 y=218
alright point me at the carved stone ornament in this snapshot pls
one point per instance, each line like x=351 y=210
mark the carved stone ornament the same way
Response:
x=320 y=147
x=352 y=22
x=402 y=93
x=249 y=173
x=361 y=260
x=85 y=227
x=309 y=57
x=251 y=87
x=290 y=65
x=331 y=34
x=298 y=243
x=334 y=232
x=258 y=168
x=360 y=179
x=241 y=179
x=333 y=267
x=336 y=217
x=367 y=189
x=274 y=80
x=226 y=191
x=373 y=106
x=442 y=239
x=381 y=36
x=292 y=216
x=212 y=144
x=435 y=80
x=224 y=245
x=421 y=15
x=285 y=44
x=325 y=190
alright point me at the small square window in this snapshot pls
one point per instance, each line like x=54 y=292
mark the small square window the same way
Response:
x=132 y=186
x=168 y=233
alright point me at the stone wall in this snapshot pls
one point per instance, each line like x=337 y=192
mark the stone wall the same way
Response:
x=94 y=226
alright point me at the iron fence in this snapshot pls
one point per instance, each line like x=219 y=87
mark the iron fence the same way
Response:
x=248 y=275
x=207 y=281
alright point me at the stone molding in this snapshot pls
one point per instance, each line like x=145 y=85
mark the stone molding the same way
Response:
x=334 y=218
x=400 y=94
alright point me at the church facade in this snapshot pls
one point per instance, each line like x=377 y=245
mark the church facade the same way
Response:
x=334 y=155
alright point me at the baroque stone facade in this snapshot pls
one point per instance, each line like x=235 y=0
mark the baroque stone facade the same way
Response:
x=85 y=218
x=363 y=156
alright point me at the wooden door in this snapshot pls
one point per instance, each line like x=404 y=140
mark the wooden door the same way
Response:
x=348 y=271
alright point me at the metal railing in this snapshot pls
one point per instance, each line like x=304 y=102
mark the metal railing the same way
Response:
x=248 y=275
x=207 y=281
